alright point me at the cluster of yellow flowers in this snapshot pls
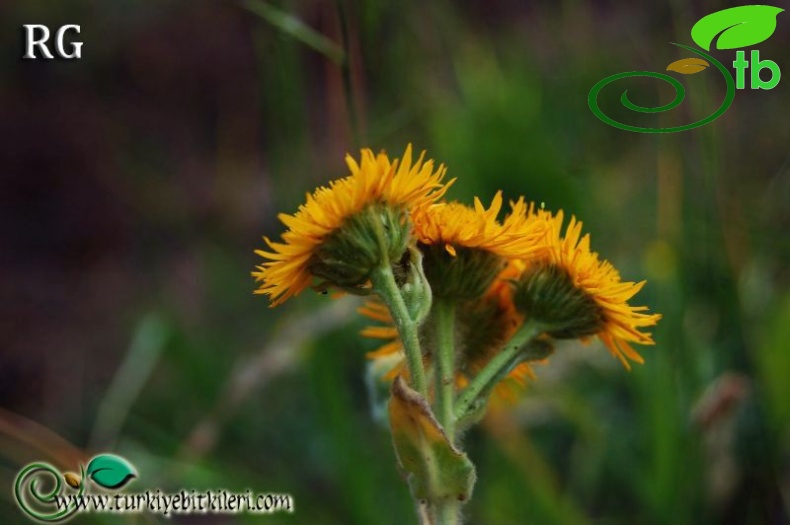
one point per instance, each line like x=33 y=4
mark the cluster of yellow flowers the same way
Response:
x=464 y=302
x=499 y=273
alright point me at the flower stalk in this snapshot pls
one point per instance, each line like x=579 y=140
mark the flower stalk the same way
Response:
x=386 y=287
x=445 y=365
x=446 y=511
x=516 y=350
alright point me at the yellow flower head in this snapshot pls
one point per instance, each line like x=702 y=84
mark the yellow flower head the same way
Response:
x=454 y=225
x=339 y=233
x=465 y=248
x=576 y=294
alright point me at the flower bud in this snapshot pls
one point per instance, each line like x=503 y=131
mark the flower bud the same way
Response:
x=416 y=290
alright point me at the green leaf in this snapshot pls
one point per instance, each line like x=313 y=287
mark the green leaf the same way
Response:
x=435 y=468
x=109 y=471
x=739 y=27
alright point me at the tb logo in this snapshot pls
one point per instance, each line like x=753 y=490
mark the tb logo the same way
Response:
x=733 y=28
x=36 y=36
x=741 y=65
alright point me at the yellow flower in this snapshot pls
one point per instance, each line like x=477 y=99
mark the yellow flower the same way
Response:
x=338 y=234
x=454 y=225
x=465 y=248
x=576 y=294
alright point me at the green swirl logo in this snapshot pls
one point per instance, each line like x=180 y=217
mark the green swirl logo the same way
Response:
x=43 y=505
x=735 y=27
x=40 y=492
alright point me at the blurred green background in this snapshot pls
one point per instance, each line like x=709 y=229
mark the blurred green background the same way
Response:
x=137 y=181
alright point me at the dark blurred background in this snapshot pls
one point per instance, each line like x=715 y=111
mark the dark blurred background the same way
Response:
x=136 y=182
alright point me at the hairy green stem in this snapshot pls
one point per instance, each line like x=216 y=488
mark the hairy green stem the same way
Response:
x=444 y=311
x=447 y=512
x=496 y=369
x=385 y=286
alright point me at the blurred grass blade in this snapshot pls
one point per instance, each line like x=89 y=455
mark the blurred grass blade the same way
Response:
x=145 y=350
x=297 y=29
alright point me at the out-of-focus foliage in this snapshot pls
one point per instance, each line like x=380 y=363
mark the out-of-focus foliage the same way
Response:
x=136 y=183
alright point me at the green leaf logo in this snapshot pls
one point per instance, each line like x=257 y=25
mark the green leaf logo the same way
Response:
x=109 y=471
x=739 y=27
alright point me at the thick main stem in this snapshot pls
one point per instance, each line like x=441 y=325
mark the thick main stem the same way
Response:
x=384 y=284
x=496 y=369
x=444 y=514
x=445 y=511
x=445 y=365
